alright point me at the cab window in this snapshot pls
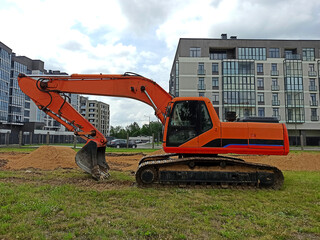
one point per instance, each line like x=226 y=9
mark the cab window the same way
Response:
x=188 y=119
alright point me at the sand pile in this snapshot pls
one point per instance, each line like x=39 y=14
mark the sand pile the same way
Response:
x=293 y=161
x=46 y=158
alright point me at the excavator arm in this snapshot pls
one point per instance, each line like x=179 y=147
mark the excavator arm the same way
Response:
x=48 y=93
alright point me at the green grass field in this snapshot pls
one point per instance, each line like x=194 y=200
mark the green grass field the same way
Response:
x=69 y=204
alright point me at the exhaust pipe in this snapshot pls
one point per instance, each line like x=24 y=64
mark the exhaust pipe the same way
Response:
x=92 y=159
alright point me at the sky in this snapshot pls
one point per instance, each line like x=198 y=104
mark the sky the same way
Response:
x=117 y=36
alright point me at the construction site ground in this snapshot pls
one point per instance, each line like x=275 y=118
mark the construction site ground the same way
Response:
x=44 y=195
x=52 y=157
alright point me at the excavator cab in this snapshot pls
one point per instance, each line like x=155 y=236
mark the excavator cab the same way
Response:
x=188 y=119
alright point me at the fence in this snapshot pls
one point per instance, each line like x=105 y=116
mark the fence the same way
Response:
x=29 y=138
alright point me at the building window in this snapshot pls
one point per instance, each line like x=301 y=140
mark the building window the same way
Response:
x=215 y=68
x=274 y=84
x=195 y=52
x=91 y=104
x=261 y=98
x=313 y=99
x=260 y=68
x=215 y=83
x=275 y=99
x=252 y=53
x=218 y=55
x=201 y=94
x=260 y=83
x=314 y=114
x=215 y=98
x=274 y=53
x=275 y=112
x=201 y=70
x=312 y=84
x=312 y=72
x=308 y=54
x=260 y=112
x=274 y=69
x=238 y=68
x=201 y=85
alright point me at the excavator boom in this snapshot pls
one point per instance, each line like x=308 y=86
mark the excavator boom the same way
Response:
x=48 y=93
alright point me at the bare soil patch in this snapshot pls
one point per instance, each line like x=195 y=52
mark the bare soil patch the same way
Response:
x=52 y=157
x=44 y=158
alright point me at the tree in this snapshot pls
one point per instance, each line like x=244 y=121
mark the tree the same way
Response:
x=133 y=129
x=118 y=132
x=156 y=128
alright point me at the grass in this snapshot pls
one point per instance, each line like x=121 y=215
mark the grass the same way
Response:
x=68 y=204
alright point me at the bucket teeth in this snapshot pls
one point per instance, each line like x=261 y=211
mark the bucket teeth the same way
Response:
x=91 y=159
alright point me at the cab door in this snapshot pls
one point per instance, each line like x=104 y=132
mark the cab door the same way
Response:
x=188 y=120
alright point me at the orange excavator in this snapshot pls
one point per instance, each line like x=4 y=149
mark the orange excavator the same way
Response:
x=193 y=137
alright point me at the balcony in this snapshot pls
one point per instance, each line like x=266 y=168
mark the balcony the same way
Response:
x=313 y=103
x=201 y=87
x=312 y=73
x=275 y=102
x=215 y=102
x=293 y=56
x=201 y=72
x=275 y=87
x=313 y=88
x=314 y=118
x=261 y=103
x=274 y=72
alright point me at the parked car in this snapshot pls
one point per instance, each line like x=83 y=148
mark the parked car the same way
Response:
x=121 y=143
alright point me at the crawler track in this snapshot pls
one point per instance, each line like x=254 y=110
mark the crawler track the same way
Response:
x=216 y=171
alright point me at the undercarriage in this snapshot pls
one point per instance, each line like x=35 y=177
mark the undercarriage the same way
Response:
x=207 y=171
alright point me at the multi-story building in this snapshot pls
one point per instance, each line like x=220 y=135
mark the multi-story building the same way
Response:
x=19 y=103
x=278 y=78
x=5 y=67
x=15 y=107
x=97 y=113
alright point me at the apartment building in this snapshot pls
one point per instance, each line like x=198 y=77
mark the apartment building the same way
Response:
x=97 y=113
x=254 y=77
x=15 y=107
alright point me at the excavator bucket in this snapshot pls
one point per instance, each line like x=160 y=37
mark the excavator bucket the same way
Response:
x=91 y=159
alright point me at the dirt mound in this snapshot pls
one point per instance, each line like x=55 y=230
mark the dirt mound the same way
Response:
x=45 y=158
x=293 y=161
x=157 y=152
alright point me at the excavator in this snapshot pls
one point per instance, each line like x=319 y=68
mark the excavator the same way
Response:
x=193 y=137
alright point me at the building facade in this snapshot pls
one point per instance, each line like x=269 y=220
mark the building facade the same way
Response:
x=15 y=107
x=97 y=113
x=266 y=78
x=5 y=67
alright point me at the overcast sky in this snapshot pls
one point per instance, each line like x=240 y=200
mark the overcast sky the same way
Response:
x=116 y=36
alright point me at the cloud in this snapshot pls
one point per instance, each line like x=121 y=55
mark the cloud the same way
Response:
x=145 y=16
x=116 y=36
